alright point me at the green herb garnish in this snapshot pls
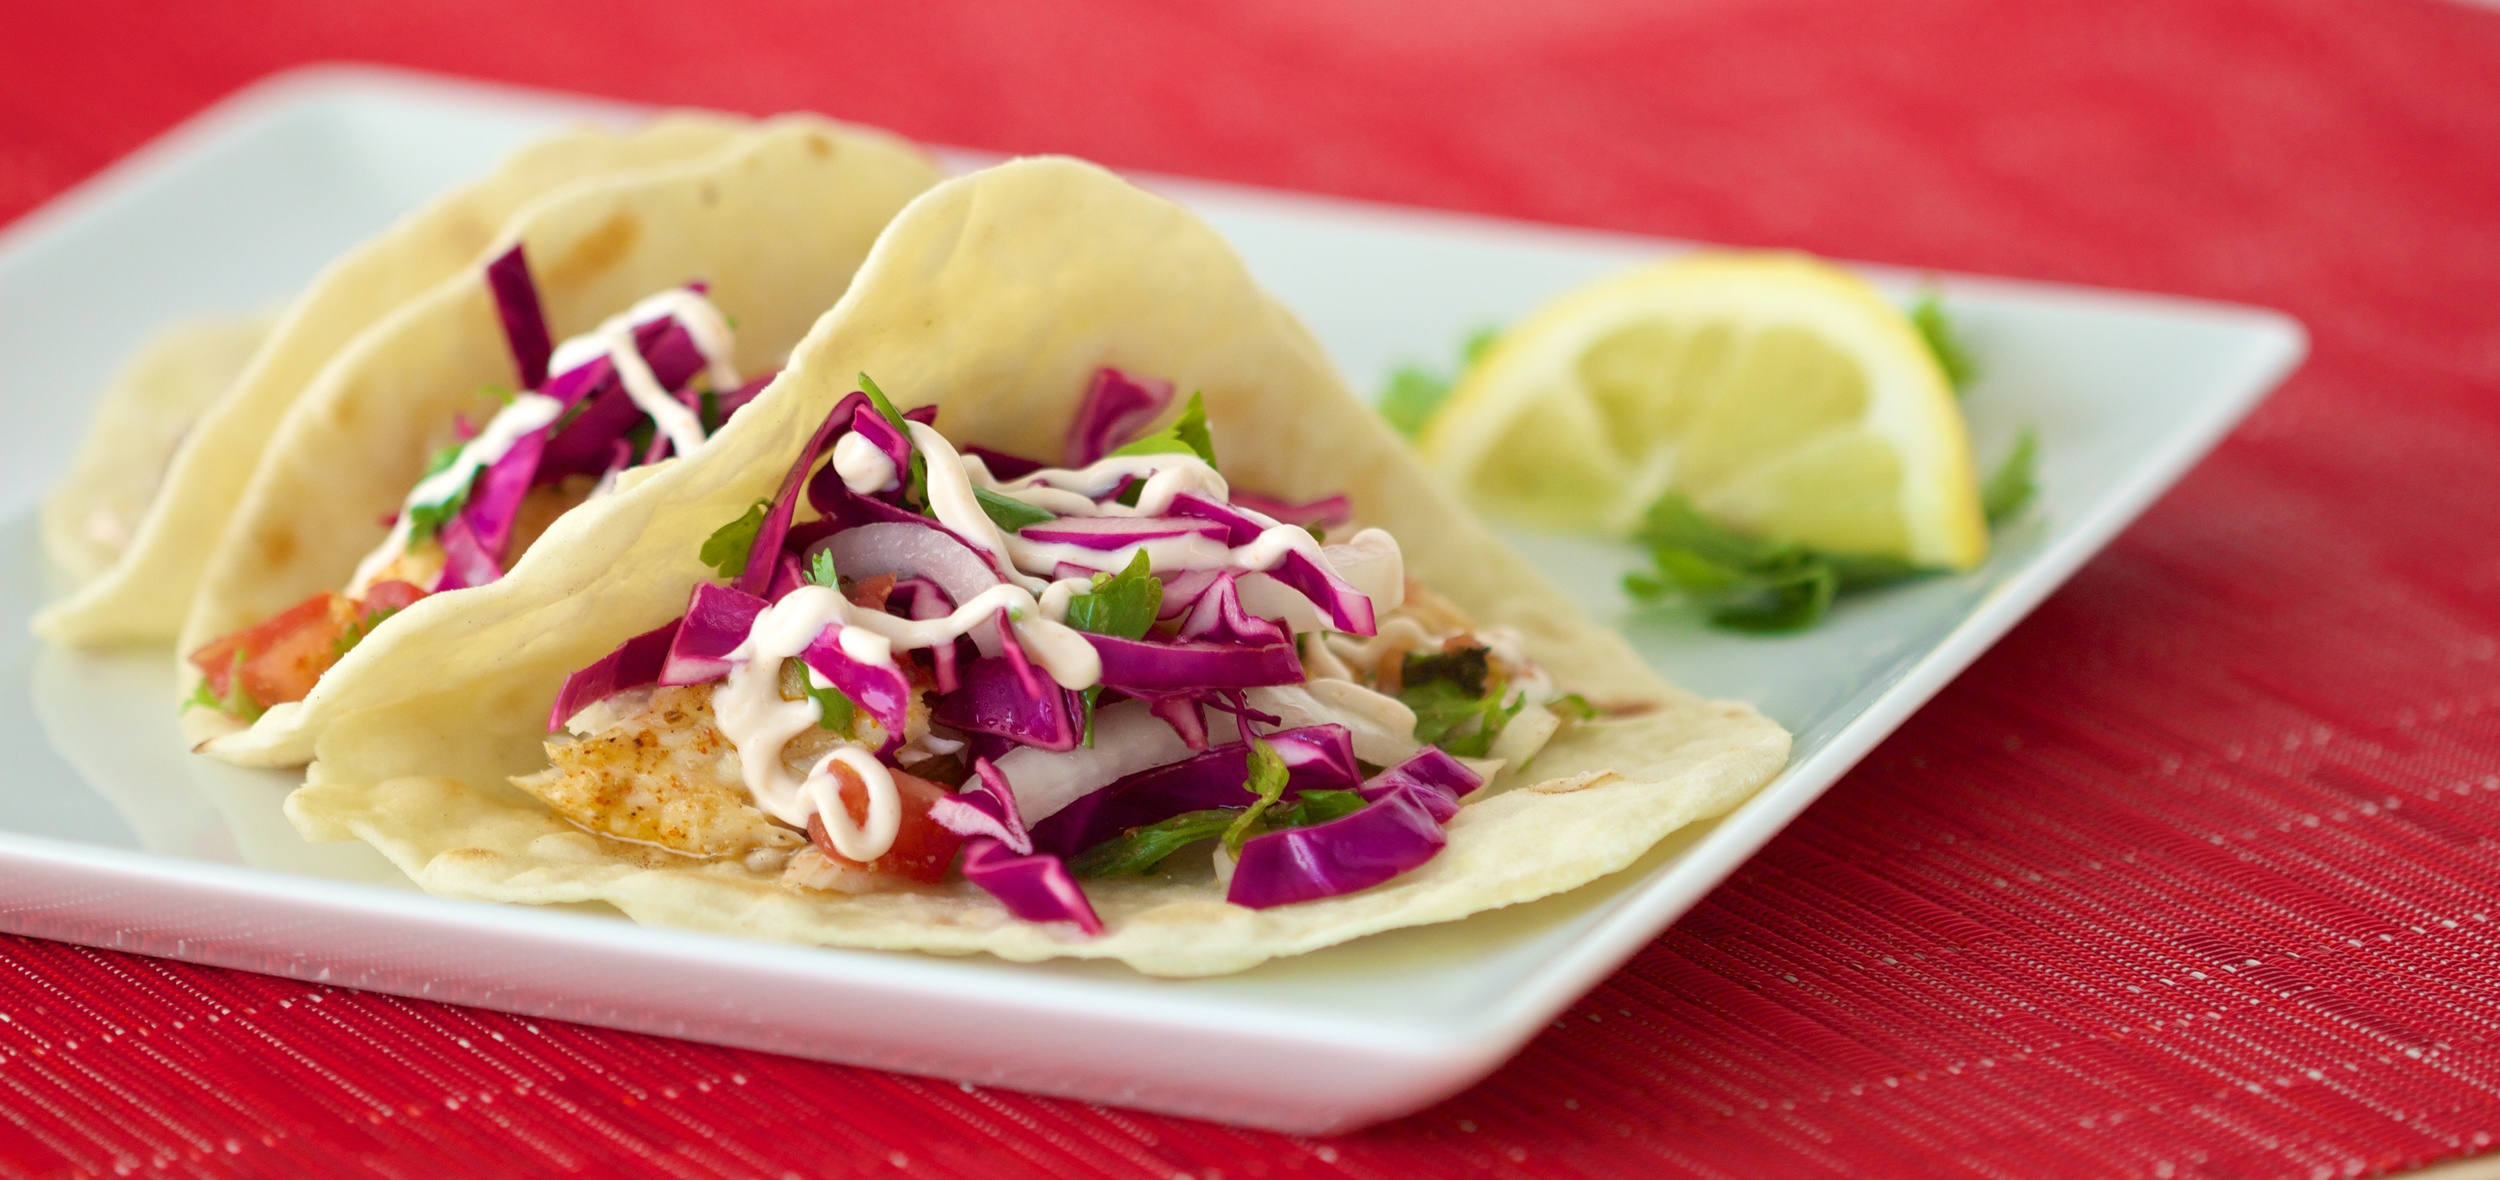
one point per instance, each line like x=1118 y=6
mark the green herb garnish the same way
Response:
x=1267 y=781
x=917 y=482
x=238 y=700
x=1952 y=356
x=820 y=571
x=1122 y=605
x=726 y=549
x=1187 y=435
x=1461 y=723
x=2015 y=482
x=1010 y=513
x=1315 y=807
x=1139 y=850
x=359 y=627
x=1415 y=392
x=834 y=708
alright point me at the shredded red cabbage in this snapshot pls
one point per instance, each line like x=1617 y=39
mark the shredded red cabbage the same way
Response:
x=524 y=325
x=1334 y=512
x=1219 y=617
x=1393 y=835
x=1317 y=757
x=1115 y=409
x=716 y=621
x=1441 y=781
x=1176 y=666
x=995 y=700
x=985 y=807
x=634 y=664
x=766 y=550
x=1118 y=532
x=1037 y=888
x=880 y=689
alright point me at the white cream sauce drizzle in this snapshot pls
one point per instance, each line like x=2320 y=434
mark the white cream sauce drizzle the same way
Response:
x=510 y=424
x=613 y=339
x=754 y=717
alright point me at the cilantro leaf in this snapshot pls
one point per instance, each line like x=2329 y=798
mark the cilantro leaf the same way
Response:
x=237 y=702
x=1572 y=706
x=834 y=708
x=1467 y=667
x=1461 y=723
x=726 y=549
x=1187 y=435
x=1415 y=392
x=2011 y=488
x=1139 y=850
x=1315 y=807
x=917 y=482
x=1122 y=605
x=1010 y=513
x=1267 y=781
x=359 y=627
x=1952 y=356
x=820 y=569
x=424 y=520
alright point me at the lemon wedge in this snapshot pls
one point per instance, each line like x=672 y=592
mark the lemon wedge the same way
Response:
x=1781 y=395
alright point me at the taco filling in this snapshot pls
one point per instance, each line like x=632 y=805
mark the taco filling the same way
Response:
x=966 y=661
x=648 y=384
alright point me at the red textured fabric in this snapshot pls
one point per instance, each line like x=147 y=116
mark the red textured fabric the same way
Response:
x=2194 y=875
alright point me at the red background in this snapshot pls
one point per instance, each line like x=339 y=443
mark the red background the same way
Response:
x=2193 y=875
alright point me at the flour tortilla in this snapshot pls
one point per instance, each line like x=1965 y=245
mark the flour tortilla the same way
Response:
x=153 y=402
x=141 y=596
x=776 y=224
x=996 y=296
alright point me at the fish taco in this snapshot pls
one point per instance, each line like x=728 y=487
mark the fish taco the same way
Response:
x=1057 y=599
x=175 y=443
x=614 y=328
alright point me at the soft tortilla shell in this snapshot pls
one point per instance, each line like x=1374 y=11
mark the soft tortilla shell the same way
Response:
x=143 y=595
x=776 y=224
x=998 y=294
x=91 y=516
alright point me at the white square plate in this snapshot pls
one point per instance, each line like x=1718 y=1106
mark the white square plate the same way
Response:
x=111 y=835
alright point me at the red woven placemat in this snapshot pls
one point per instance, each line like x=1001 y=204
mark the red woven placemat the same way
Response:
x=2194 y=875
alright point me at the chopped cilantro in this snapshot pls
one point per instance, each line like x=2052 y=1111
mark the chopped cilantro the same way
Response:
x=359 y=627
x=1952 y=356
x=2011 y=488
x=917 y=482
x=1460 y=722
x=1267 y=781
x=1123 y=605
x=1468 y=667
x=1187 y=435
x=237 y=702
x=726 y=549
x=1572 y=706
x=1139 y=850
x=1416 y=392
x=1315 y=807
x=1010 y=513
x=834 y=708
x=820 y=569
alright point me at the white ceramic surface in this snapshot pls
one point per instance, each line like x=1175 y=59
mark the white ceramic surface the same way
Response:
x=110 y=834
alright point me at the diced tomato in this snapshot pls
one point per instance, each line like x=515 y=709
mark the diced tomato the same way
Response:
x=870 y=593
x=389 y=596
x=285 y=656
x=922 y=850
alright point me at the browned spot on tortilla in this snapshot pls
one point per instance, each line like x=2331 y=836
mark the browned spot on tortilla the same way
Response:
x=819 y=147
x=471 y=854
x=277 y=544
x=595 y=251
x=711 y=194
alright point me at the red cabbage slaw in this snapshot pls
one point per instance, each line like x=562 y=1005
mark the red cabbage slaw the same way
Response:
x=589 y=423
x=890 y=508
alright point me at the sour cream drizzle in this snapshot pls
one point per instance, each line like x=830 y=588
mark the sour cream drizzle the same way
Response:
x=614 y=339
x=754 y=717
x=510 y=424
